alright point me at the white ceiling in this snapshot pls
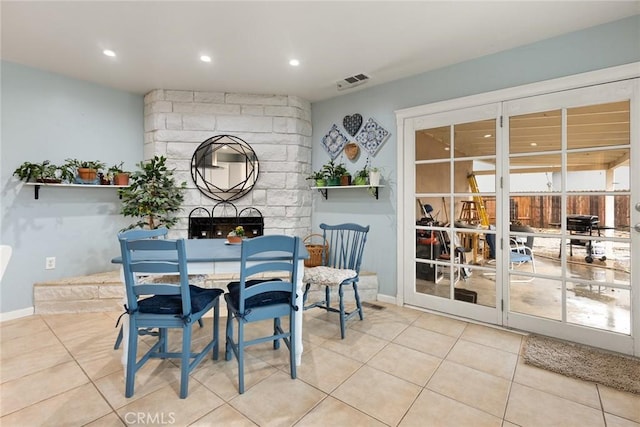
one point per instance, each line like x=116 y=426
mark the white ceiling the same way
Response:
x=159 y=43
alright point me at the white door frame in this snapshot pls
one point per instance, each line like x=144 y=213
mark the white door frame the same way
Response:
x=404 y=119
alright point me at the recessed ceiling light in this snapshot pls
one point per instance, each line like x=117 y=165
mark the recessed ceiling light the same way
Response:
x=446 y=148
x=294 y=62
x=109 y=52
x=534 y=144
x=488 y=135
x=205 y=58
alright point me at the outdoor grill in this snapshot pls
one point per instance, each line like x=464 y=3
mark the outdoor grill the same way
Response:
x=584 y=225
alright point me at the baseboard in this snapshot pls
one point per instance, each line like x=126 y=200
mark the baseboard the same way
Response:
x=10 y=315
x=386 y=298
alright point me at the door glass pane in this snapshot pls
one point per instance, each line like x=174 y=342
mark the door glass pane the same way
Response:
x=539 y=297
x=598 y=125
x=535 y=132
x=598 y=170
x=542 y=212
x=535 y=173
x=433 y=177
x=475 y=139
x=432 y=144
x=597 y=306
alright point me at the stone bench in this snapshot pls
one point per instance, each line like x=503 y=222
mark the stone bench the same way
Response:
x=102 y=292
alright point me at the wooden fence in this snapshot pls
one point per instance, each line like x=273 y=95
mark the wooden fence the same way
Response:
x=540 y=211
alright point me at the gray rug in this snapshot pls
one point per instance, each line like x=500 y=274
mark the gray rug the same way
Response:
x=586 y=363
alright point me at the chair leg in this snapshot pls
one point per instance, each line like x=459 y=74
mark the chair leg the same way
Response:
x=184 y=360
x=164 y=340
x=342 y=315
x=216 y=329
x=357 y=297
x=131 y=358
x=228 y=338
x=240 y=357
x=327 y=295
x=276 y=326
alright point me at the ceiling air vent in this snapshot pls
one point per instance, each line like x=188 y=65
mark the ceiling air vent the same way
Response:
x=352 y=81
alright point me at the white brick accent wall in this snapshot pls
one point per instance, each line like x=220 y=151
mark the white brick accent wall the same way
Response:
x=277 y=127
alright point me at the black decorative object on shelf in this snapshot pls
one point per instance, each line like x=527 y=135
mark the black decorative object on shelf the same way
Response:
x=224 y=168
x=206 y=225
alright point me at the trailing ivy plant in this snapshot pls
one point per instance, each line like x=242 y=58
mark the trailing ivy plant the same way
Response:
x=153 y=195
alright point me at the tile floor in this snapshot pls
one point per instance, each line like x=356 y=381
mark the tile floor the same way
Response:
x=397 y=367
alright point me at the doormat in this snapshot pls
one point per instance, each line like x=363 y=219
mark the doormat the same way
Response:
x=586 y=363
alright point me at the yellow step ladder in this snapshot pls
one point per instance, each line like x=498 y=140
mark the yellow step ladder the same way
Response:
x=479 y=203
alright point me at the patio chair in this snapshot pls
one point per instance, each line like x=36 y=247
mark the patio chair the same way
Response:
x=520 y=254
x=340 y=267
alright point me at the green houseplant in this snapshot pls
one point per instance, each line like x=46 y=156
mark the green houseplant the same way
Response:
x=333 y=172
x=86 y=170
x=319 y=177
x=45 y=172
x=361 y=176
x=153 y=195
x=117 y=175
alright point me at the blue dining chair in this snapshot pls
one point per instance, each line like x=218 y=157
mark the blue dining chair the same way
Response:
x=253 y=299
x=163 y=305
x=341 y=260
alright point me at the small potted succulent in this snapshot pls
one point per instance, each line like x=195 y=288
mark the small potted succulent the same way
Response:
x=236 y=235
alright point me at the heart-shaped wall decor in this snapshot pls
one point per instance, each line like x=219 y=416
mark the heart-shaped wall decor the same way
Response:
x=352 y=124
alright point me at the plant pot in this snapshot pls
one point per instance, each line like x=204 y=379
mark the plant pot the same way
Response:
x=87 y=174
x=360 y=180
x=121 y=179
x=374 y=178
x=234 y=239
x=321 y=182
x=332 y=182
x=345 y=180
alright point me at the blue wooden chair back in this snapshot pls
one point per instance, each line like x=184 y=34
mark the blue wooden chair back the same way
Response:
x=172 y=249
x=251 y=265
x=346 y=245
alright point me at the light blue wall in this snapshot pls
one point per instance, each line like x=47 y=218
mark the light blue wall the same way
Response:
x=46 y=116
x=595 y=48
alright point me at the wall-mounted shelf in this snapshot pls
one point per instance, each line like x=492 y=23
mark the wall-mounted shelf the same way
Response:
x=324 y=190
x=36 y=186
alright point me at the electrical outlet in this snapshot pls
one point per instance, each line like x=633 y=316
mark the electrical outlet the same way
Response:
x=50 y=263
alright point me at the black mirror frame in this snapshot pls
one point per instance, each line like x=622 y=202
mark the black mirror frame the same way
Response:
x=211 y=190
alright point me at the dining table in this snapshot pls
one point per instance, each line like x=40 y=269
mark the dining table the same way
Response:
x=217 y=256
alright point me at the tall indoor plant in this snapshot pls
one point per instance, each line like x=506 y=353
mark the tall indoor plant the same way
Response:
x=153 y=195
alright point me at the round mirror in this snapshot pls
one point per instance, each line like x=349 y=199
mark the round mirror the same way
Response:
x=224 y=168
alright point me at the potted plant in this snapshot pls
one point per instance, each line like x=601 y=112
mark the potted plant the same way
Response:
x=117 y=175
x=345 y=179
x=319 y=178
x=236 y=235
x=153 y=195
x=45 y=172
x=86 y=171
x=361 y=176
x=333 y=172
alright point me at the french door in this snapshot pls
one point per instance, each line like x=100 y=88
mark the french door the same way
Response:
x=521 y=213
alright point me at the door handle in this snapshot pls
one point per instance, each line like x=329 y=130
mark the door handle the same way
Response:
x=638 y=206
x=637 y=227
